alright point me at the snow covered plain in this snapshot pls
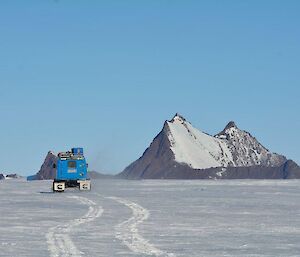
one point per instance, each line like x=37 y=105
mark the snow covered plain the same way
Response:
x=151 y=218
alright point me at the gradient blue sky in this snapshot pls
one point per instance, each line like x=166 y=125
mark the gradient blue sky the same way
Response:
x=105 y=75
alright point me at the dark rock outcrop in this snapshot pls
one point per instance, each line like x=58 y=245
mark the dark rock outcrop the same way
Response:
x=291 y=170
x=246 y=150
x=156 y=162
x=2 y=176
x=47 y=171
x=14 y=175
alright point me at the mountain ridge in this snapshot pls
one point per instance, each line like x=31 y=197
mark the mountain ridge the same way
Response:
x=182 y=151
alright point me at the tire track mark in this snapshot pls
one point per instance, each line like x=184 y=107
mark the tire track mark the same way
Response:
x=58 y=238
x=128 y=232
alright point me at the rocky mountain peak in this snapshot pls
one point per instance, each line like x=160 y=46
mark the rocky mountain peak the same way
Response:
x=47 y=171
x=246 y=150
x=178 y=118
x=228 y=131
x=231 y=124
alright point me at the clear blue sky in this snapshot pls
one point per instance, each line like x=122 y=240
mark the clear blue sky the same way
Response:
x=105 y=75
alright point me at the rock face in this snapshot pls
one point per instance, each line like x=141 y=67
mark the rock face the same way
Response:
x=180 y=151
x=14 y=175
x=9 y=176
x=246 y=150
x=47 y=171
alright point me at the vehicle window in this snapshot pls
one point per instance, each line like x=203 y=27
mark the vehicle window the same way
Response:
x=72 y=165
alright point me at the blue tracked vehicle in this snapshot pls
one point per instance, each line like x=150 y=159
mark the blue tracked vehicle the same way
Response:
x=71 y=171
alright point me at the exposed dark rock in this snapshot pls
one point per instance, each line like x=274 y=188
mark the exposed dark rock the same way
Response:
x=178 y=116
x=246 y=150
x=2 y=176
x=13 y=176
x=231 y=124
x=155 y=162
x=291 y=170
x=47 y=171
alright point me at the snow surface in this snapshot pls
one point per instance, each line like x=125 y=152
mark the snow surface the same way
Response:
x=151 y=218
x=58 y=237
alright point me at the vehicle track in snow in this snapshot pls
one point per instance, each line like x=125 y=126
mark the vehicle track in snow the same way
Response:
x=58 y=238
x=128 y=232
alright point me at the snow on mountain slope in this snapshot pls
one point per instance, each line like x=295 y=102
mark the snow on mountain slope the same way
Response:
x=195 y=148
x=231 y=147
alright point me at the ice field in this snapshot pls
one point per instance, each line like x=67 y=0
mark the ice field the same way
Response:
x=151 y=218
